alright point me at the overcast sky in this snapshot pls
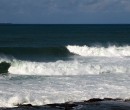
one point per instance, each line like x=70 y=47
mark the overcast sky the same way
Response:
x=65 y=11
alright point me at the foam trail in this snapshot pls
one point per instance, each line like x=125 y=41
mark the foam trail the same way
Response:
x=17 y=90
x=111 y=51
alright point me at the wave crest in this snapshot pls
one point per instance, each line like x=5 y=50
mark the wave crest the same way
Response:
x=70 y=68
x=111 y=51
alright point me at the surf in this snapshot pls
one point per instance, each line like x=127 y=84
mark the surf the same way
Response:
x=110 y=51
x=84 y=61
x=73 y=67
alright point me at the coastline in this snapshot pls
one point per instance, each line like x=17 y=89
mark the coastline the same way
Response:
x=92 y=104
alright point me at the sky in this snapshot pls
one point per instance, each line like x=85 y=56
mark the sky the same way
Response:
x=65 y=11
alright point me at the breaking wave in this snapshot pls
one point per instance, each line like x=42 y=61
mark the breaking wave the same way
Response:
x=63 y=68
x=111 y=51
x=97 y=60
x=38 y=52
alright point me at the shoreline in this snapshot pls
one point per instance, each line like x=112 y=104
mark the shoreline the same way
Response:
x=91 y=104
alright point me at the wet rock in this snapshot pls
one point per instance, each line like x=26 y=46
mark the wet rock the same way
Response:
x=92 y=104
x=65 y=106
x=94 y=100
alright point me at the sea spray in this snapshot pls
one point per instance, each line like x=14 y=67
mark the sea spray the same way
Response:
x=111 y=51
x=81 y=66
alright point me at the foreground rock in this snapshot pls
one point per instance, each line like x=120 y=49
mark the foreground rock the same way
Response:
x=4 y=66
x=92 y=104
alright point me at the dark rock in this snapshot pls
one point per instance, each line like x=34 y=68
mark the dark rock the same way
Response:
x=65 y=106
x=26 y=105
x=127 y=100
x=94 y=100
x=109 y=99
x=4 y=66
x=92 y=104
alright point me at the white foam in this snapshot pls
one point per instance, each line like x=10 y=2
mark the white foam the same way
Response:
x=102 y=77
x=45 y=90
x=111 y=51
x=75 y=67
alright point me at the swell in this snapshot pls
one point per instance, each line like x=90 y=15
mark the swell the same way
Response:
x=65 y=51
x=39 y=51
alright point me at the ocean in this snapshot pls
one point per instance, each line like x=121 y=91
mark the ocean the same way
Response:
x=58 y=63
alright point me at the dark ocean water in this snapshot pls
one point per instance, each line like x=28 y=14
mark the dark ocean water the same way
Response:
x=44 y=42
x=60 y=63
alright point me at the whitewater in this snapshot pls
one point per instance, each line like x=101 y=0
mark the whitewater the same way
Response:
x=110 y=51
x=90 y=72
x=85 y=60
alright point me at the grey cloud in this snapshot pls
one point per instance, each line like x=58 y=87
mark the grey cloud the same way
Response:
x=126 y=4
x=93 y=5
x=21 y=6
x=102 y=5
x=44 y=9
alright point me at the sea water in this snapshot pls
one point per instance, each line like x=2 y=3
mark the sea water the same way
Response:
x=60 y=63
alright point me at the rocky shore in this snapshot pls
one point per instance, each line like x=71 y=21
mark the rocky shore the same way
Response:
x=92 y=104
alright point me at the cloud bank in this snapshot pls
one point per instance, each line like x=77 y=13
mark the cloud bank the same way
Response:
x=38 y=8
